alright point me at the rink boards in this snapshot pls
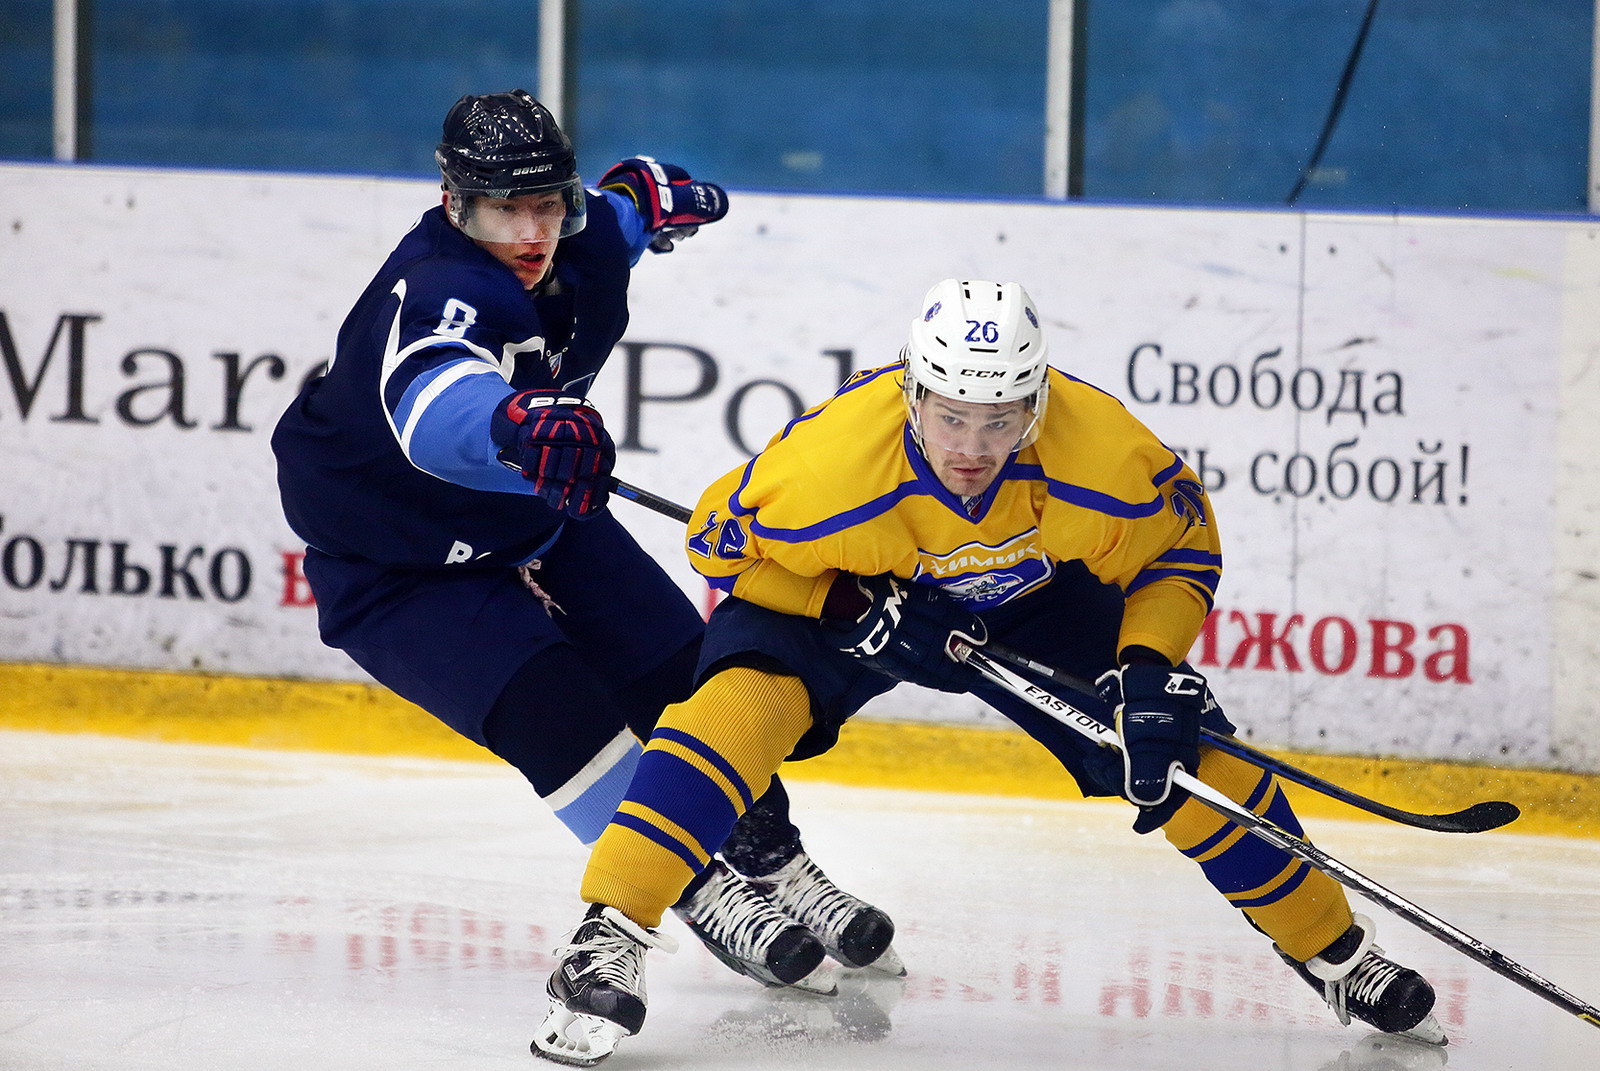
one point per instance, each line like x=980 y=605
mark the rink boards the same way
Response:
x=1390 y=413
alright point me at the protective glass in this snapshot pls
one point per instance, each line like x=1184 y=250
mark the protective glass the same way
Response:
x=542 y=216
x=973 y=429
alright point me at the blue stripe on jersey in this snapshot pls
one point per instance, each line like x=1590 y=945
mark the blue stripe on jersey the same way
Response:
x=1192 y=557
x=425 y=356
x=661 y=837
x=828 y=525
x=838 y=522
x=705 y=751
x=589 y=812
x=735 y=507
x=860 y=380
x=446 y=432
x=1206 y=583
x=1098 y=501
x=1084 y=382
x=424 y=374
x=1169 y=472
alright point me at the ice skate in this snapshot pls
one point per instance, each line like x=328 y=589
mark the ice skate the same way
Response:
x=753 y=937
x=854 y=932
x=1357 y=980
x=597 y=995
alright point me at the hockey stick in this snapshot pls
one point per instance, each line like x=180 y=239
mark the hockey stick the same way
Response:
x=1490 y=814
x=1269 y=831
x=663 y=506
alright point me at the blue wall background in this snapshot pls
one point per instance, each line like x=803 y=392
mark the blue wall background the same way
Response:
x=1479 y=105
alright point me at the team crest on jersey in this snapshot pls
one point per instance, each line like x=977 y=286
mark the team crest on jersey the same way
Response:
x=1188 y=502
x=981 y=576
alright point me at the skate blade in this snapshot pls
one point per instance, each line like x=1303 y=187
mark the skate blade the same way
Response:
x=823 y=981
x=574 y=1039
x=1396 y=1052
x=889 y=963
x=1429 y=1032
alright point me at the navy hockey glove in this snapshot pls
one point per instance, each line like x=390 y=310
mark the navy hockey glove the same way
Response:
x=906 y=631
x=672 y=204
x=559 y=442
x=1158 y=712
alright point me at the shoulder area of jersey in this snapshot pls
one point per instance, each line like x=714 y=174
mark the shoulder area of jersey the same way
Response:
x=1090 y=439
x=868 y=408
x=1083 y=400
x=467 y=277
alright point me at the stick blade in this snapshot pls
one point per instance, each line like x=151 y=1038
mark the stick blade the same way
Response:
x=1482 y=817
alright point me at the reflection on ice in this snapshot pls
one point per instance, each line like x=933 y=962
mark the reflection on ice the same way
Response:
x=184 y=908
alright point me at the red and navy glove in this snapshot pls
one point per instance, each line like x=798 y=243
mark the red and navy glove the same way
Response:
x=672 y=204
x=559 y=442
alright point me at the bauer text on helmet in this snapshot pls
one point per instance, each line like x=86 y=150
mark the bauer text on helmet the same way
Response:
x=509 y=171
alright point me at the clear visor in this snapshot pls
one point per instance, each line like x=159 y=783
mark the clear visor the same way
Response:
x=520 y=218
x=972 y=429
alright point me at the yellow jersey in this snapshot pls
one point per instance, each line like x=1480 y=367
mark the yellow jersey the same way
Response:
x=844 y=488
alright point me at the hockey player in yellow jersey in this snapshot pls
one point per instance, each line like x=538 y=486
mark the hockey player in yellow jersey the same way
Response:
x=968 y=491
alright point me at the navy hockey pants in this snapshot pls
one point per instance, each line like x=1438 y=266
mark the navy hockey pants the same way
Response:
x=552 y=692
x=1071 y=623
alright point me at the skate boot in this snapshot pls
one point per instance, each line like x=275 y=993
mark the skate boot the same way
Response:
x=747 y=933
x=1356 y=979
x=854 y=932
x=597 y=989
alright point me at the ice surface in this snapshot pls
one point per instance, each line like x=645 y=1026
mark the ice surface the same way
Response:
x=185 y=908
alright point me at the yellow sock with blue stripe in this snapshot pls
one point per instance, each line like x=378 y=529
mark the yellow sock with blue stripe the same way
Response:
x=707 y=760
x=1299 y=907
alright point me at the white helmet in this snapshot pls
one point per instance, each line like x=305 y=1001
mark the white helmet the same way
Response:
x=980 y=342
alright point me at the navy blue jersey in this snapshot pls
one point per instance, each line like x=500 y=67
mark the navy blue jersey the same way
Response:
x=388 y=456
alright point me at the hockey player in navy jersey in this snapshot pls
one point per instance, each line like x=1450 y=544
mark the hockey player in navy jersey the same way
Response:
x=450 y=480
x=967 y=491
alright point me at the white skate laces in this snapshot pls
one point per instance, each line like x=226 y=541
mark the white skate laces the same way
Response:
x=748 y=934
x=597 y=991
x=612 y=954
x=1368 y=986
x=854 y=932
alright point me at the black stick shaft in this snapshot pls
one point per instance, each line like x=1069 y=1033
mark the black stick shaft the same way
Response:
x=665 y=507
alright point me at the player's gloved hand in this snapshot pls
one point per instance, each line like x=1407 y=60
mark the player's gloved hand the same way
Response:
x=905 y=630
x=559 y=442
x=1158 y=710
x=673 y=205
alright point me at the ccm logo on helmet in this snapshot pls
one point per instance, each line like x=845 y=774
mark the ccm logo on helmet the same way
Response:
x=980 y=373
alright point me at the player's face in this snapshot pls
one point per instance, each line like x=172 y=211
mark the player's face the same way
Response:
x=519 y=232
x=967 y=443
